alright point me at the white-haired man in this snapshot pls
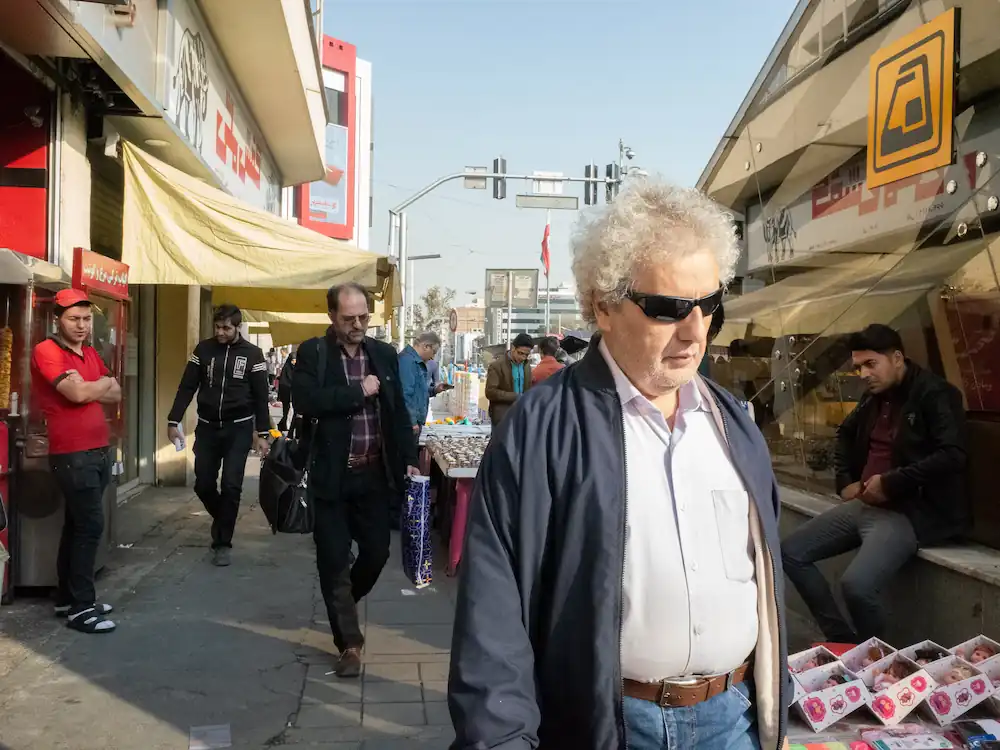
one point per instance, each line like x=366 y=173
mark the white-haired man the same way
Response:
x=623 y=583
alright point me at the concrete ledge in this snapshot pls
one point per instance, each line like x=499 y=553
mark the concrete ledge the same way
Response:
x=948 y=594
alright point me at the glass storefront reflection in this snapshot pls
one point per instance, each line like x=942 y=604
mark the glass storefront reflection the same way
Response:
x=825 y=255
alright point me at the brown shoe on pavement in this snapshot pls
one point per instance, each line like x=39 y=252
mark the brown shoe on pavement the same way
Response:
x=349 y=664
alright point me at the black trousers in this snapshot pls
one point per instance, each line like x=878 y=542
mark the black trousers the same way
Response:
x=285 y=396
x=82 y=477
x=360 y=513
x=221 y=446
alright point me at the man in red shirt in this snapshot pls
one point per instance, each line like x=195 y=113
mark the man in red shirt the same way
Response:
x=549 y=365
x=71 y=383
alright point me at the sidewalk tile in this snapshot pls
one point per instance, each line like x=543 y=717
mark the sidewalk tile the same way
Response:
x=382 y=691
x=437 y=715
x=413 y=639
x=329 y=715
x=322 y=688
x=435 y=692
x=393 y=672
x=387 y=717
x=434 y=671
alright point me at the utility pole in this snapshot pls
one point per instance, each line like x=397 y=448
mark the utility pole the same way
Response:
x=478 y=178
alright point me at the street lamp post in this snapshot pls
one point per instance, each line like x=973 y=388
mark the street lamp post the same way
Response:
x=397 y=215
x=412 y=279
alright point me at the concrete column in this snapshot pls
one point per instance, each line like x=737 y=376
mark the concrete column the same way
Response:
x=178 y=323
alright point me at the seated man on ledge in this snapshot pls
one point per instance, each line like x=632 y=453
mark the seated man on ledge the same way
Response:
x=900 y=463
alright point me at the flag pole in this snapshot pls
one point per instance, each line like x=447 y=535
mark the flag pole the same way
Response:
x=548 y=296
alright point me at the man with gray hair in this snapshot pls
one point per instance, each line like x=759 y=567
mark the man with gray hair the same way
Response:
x=623 y=585
x=415 y=378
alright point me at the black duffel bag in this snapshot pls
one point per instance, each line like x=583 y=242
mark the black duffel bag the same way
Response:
x=284 y=488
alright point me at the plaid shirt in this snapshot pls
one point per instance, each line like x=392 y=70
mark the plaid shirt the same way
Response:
x=364 y=424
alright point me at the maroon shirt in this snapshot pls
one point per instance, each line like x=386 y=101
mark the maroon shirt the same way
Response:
x=364 y=424
x=880 y=442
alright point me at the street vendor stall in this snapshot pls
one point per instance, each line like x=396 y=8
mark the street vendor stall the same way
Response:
x=456 y=450
x=33 y=504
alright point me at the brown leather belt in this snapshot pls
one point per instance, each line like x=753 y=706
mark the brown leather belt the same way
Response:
x=360 y=462
x=687 y=693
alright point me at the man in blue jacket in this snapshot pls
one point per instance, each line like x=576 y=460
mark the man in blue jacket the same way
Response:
x=622 y=583
x=415 y=379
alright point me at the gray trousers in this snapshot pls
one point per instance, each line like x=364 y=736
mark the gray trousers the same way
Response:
x=885 y=541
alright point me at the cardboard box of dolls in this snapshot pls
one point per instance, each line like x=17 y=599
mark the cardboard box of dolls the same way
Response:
x=812 y=658
x=896 y=686
x=865 y=654
x=925 y=652
x=960 y=687
x=991 y=668
x=977 y=650
x=829 y=693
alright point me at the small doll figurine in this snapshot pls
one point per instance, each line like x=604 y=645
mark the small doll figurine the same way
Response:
x=874 y=654
x=981 y=653
x=956 y=674
x=811 y=664
x=889 y=676
x=835 y=679
x=925 y=656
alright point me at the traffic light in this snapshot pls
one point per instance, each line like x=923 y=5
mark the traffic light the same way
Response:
x=590 y=188
x=613 y=174
x=500 y=183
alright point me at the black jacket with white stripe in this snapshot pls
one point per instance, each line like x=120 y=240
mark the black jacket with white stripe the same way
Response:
x=231 y=382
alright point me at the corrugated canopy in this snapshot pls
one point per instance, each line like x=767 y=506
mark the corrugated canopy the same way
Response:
x=178 y=230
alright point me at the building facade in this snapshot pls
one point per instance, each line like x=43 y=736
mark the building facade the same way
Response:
x=564 y=315
x=340 y=204
x=832 y=244
x=228 y=92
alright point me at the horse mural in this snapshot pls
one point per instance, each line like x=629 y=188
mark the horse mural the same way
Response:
x=191 y=87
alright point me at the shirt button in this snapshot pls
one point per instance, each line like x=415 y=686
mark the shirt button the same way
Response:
x=694 y=567
x=697 y=630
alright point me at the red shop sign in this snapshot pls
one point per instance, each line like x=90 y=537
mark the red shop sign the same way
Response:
x=100 y=274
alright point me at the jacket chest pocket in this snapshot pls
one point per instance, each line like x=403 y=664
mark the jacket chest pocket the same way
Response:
x=732 y=520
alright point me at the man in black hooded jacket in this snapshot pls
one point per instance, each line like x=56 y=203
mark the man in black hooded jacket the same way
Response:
x=900 y=465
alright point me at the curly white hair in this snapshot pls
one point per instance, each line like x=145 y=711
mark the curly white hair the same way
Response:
x=651 y=221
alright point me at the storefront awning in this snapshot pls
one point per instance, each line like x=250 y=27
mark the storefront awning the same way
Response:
x=840 y=300
x=178 y=230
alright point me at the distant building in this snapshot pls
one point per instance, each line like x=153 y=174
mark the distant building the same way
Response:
x=564 y=315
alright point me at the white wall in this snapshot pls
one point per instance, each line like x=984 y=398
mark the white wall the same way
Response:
x=74 y=184
x=362 y=152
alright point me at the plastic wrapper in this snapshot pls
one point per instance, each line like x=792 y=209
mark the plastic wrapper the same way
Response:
x=415 y=534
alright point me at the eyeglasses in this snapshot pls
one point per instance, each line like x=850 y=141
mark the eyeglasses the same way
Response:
x=359 y=319
x=673 y=309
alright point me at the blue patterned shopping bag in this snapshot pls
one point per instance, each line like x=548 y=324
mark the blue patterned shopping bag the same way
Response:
x=415 y=531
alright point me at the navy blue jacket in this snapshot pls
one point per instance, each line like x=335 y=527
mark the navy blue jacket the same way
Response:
x=535 y=657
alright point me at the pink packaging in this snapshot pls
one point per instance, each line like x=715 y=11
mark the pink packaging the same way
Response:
x=985 y=645
x=864 y=655
x=821 y=705
x=894 y=702
x=960 y=687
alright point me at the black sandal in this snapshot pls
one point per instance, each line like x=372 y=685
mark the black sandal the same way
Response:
x=89 y=620
x=63 y=610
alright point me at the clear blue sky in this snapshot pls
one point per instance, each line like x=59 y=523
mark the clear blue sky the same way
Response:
x=550 y=85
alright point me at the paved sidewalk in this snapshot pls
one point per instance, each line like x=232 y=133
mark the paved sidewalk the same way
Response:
x=245 y=648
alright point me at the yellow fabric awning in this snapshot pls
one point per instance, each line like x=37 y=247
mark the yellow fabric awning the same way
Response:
x=293 y=328
x=178 y=230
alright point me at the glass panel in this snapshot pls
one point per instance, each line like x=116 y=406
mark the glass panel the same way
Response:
x=826 y=255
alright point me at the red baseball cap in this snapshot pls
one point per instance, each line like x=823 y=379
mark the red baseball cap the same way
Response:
x=66 y=298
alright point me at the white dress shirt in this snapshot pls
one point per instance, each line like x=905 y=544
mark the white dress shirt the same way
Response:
x=690 y=596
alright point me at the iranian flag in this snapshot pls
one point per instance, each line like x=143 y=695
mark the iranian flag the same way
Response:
x=545 y=248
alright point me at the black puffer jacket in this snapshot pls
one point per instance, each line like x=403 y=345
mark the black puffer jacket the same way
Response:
x=927 y=480
x=231 y=383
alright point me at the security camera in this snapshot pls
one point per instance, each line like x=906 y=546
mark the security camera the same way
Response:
x=629 y=153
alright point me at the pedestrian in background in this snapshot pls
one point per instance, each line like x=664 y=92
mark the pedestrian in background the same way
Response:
x=71 y=383
x=508 y=377
x=285 y=390
x=415 y=377
x=548 y=365
x=363 y=447
x=229 y=374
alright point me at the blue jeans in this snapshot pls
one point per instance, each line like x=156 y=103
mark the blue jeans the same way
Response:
x=726 y=722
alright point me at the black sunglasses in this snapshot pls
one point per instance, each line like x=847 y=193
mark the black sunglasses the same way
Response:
x=672 y=309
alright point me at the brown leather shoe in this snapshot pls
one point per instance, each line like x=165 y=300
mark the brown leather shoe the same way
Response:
x=349 y=664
